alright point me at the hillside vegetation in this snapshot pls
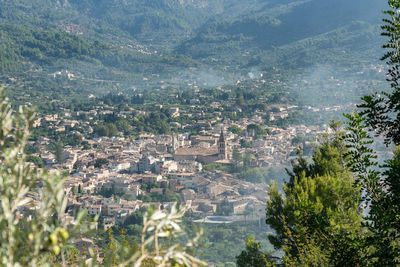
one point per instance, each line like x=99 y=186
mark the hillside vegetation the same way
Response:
x=130 y=44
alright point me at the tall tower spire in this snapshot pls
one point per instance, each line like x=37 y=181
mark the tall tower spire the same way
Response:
x=222 y=146
x=221 y=136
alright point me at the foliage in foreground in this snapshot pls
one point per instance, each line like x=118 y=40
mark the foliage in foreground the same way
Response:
x=321 y=211
x=160 y=243
x=344 y=209
x=32 y=201
x=33 y=204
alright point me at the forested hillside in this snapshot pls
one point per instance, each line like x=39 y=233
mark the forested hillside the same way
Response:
x=329 y=24
x=32 y=58
x=177 y=44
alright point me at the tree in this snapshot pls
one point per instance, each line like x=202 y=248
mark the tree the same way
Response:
x=123 y=126
x=380 y=193
x=255 y=130
x=329 y=158
x=245 y=144
x=108 y=129
x=252 y=256
x=321 y=208
x=380 y=115
x=102 y=130
x=100 y=162
x=135 y=218
x=236 y=160
x=382 y=111
x=58 y=150
x=235 y=129
x=35 y=160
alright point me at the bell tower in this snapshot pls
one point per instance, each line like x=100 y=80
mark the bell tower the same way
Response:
x=222 y=146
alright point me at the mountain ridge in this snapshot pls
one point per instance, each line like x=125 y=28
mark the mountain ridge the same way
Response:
x=228 y=37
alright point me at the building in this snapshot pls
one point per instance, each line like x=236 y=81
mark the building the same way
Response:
x=222 y=153
x=202 y=154
x=146 y=163
x=93 y=209
x=109 y=222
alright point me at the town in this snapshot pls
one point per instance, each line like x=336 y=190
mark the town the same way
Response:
x=115 y=176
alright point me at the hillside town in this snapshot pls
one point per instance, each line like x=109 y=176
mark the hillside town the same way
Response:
x=121 y=155
x=115 y=176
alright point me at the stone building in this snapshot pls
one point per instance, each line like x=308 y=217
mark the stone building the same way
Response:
x=204 y=155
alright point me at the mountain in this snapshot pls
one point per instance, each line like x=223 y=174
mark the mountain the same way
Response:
x=282 y=25
x=125 y=44
x=110 y=19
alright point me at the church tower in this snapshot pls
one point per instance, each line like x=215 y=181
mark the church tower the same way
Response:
x=222 y=153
